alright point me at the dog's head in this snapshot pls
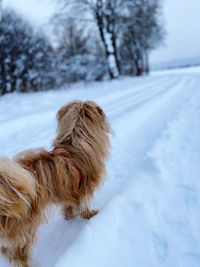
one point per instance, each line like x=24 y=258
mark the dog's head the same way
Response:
x=83 y=124
x=78 y=119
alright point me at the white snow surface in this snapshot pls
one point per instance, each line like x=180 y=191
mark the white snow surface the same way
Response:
x=150 y=203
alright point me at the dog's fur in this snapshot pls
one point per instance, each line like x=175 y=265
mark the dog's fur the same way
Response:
x=37 y=178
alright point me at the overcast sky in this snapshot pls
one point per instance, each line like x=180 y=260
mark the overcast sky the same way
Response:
x=38 y=11
x=182 y=23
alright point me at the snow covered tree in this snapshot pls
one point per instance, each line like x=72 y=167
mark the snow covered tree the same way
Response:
x=128 y=30
x=140 y=32
x=78 y=52
x=26 y=57
x=106 y=14
x=103 y=15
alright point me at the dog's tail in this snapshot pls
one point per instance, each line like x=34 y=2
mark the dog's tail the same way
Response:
x=17 y=189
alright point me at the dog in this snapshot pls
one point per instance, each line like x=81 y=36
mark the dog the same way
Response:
x=68 y=175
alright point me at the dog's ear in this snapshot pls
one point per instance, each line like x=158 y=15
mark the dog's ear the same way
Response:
x=100 y=112
x=67 y=117
x=92 y=110
x=95 y=114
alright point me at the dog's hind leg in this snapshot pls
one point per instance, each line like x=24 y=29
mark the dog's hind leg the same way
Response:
x=85 y=208
x=88 y=214
x=20 y=256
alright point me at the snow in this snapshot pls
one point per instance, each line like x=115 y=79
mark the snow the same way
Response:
x=150 y=203
x=186 y=70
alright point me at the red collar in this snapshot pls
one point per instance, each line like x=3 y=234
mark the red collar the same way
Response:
x=79 y=173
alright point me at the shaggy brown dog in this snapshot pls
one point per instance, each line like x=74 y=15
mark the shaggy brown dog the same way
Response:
x=67 y=175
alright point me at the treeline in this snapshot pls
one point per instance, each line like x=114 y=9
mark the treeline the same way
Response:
x=26 y=57
x=92 y=40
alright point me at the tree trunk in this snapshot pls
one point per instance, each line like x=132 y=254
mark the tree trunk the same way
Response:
x=106 y=30
x=139 y=63
x=147 y=63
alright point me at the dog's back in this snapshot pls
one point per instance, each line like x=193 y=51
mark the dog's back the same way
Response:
x=17 y=189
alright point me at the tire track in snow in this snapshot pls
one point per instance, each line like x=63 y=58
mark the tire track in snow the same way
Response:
x=116 y=97
x=133 y=101
x=177 y=155
x=147 y=122
x=136 y=187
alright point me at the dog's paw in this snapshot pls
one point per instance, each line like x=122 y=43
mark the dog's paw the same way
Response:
x=69 y=217
x=68 y=213
x=89 y=214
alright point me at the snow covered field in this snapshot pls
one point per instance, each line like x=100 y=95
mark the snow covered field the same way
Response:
x=150 y=203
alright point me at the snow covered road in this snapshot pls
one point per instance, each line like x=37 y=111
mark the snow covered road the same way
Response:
x=150 y=203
